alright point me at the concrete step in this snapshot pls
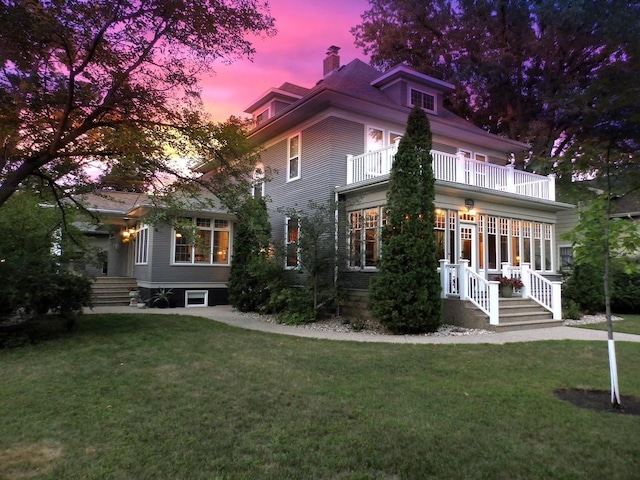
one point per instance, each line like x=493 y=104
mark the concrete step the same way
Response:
x=525 y=325
x=112 y=290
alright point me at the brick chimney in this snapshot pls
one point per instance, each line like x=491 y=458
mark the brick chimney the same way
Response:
x=332 y=61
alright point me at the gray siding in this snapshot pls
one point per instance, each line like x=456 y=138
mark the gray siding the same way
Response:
x=161 y=270
x=567 y=221
x=323 y=165
x=441 y=147
x=398 y=93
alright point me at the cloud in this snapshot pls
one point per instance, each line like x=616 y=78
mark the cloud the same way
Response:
x=305 y=30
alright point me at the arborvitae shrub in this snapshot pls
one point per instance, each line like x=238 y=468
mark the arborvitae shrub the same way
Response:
x=405 y=294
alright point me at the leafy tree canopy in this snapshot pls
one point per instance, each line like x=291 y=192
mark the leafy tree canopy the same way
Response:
x=522 y=68
x=103 y=82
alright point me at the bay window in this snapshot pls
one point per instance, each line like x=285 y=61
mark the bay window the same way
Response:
x=202 y=241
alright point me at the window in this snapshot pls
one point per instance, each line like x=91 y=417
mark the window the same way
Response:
x=364 y=237
x=201 y=241
x=293 y=163
x=291 y=242
x=257 y=186
x=478 y=157
x=375 y=139
x=262 y=117
x=566 y=256
x=423 y=100
x=196 y=298
x=142 y=245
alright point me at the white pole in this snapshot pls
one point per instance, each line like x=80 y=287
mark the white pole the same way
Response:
x=613 y=368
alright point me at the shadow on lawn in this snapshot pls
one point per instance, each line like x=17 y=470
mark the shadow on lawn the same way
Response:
x=599 y=400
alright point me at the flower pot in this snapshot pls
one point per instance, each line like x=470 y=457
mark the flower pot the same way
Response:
x=506 y=291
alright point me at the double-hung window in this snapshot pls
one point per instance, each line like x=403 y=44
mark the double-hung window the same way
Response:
x=293 y=157
x=292 y=249
x=142 y=245
x=257 y=184
x=364 y=237
x=202 y=241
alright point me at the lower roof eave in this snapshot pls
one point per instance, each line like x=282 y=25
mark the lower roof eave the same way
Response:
x=472 y=192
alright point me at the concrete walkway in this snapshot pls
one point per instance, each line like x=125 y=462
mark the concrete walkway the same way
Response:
x=226 y=314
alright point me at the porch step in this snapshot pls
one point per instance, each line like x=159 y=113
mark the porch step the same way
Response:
x=522 y=314
x=112 y=291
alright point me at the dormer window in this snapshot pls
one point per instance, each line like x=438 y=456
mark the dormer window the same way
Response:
x=262 y=117
x=424 y=100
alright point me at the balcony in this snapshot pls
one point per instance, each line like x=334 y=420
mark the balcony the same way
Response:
x=457 y=169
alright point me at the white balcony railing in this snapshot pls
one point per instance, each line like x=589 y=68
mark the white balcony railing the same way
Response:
x=457 y=169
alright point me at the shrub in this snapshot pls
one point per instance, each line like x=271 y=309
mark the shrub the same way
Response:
x=405 y=294
x=584 y=286
x=292 y=305
x=570 y=310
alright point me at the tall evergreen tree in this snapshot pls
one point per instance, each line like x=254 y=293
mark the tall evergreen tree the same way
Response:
x=405 y=295
x=252 y=273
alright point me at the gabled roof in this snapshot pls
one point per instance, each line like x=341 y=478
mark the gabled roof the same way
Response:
x=287 y=92
x=402 y=71
x=107 y=201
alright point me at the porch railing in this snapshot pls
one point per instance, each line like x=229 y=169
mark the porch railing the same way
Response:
x=458 y=280
x=538 y=288
x=456 y=168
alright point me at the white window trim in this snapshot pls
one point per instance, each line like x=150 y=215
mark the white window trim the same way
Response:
x=258 y=177
x=425 y=91
x=206 y=298
x=363 y=229
x=141 y=245
x=267 y=110
x=289 y=177
x=193 y=263
x=286 y=245
x=474 y=155
x=385 y=135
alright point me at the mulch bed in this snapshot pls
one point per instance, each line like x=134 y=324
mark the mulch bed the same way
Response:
x=599 y=400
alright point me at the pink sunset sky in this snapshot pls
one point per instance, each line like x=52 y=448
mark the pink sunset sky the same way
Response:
x=306 y=28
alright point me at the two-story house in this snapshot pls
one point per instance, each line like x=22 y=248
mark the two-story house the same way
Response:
x=337 y=140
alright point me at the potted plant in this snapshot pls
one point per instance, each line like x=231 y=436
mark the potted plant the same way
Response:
x=161 y=298
x=507 y=284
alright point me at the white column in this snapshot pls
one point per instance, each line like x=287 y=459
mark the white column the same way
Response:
x=552 y=186
x=525 y=276
x=511 y=178
x=505 y=268
x=444 y=278
x=463 y=265
x=556 y=300
x=494 y=303
x=460 y=168
x=349 y=169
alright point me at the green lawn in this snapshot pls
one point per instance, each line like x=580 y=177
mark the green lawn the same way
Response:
x=629 y=324
x=166 y=397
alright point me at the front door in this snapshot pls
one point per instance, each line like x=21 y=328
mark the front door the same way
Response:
x=468 y=245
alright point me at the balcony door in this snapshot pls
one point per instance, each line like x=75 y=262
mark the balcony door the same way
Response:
x=468 y=245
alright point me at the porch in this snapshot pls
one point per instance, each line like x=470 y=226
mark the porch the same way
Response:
x=456 y=169
x=537 y=303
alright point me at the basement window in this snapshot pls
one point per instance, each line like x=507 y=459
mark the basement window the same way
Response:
x=196 y=298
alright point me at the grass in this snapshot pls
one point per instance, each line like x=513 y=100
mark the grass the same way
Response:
x=168 y=397
x=629 y=324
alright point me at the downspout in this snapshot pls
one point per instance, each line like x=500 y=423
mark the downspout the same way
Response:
x=335 y=240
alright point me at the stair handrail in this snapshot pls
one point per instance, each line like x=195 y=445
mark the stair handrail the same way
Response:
x=481 y=292
x=543 y=291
